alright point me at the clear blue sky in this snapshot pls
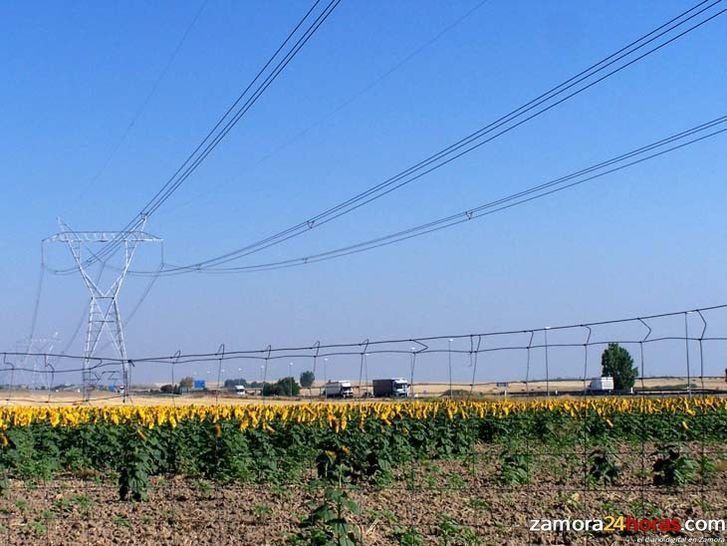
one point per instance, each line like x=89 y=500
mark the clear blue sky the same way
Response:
x=647 y=240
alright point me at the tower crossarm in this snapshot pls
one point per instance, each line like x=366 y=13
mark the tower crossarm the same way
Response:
x=102 y=237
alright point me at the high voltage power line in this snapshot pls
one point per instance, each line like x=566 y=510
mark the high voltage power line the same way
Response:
x=229 y=119
x=630 y=54
x=610 y=166
x=152 y=92
x=226 y=122
x=550 y=99
x=344 y=104
x=620 y=162
x=677 y=141
x=663 y=35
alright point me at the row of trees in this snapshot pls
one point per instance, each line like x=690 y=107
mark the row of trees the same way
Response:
x=287 y=386
x=230 y=384
x=306 y=380
x=184 y=385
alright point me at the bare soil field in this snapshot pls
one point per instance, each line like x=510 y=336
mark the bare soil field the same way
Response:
x=438 y=502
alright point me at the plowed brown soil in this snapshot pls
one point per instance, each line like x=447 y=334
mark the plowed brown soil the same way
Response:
x=185 y=511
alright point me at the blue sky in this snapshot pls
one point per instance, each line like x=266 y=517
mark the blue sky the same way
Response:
x=646 y=240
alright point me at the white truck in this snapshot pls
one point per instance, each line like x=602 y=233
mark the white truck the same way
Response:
x=601 y=384
x=391 y=388
x=338 y=389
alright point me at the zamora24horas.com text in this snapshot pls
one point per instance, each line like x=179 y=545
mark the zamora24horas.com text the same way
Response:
x=630 y=524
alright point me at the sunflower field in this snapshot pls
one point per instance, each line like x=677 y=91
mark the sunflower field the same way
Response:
x=363 y=441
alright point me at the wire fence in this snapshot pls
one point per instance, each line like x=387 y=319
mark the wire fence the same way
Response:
x=675 y=352
x=504 y=490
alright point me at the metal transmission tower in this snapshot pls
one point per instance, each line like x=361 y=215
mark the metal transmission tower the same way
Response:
x=103 y=310
x=36 y=351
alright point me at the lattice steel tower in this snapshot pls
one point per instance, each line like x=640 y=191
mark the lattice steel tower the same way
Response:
x=37 y=351
x=103 y=309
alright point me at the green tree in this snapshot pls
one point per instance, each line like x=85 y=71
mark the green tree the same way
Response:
x=286 y=386
x=616 y=362
x=306 y=379
x=187 y=382
x=289 y=386
x=232 y=383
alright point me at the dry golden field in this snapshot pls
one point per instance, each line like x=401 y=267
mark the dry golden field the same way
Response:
x=421 y=390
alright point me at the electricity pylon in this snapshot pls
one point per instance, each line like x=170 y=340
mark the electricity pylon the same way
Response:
x=103 y=309
x=37 y=350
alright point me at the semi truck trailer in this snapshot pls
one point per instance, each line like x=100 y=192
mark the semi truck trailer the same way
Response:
x=391 y=388
x=338 y=389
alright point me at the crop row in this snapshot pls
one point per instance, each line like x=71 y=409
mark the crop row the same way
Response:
x=362 y=441
x=338 y=416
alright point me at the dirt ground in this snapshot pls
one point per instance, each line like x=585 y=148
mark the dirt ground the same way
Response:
x=446 y=502
x=422 y=390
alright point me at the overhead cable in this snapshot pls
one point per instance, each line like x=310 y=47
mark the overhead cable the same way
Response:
x=620 y=162
x=262 y=80
x=660 y=37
